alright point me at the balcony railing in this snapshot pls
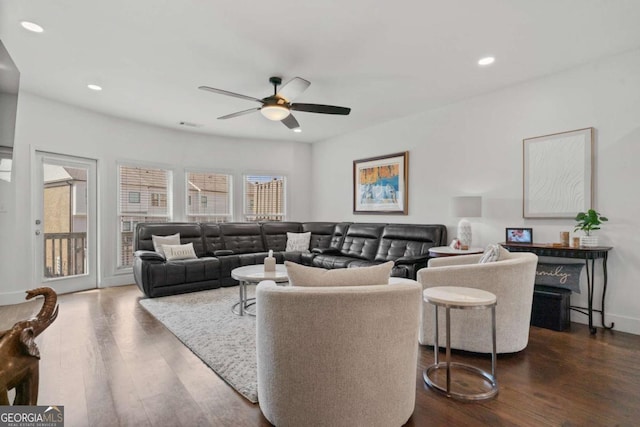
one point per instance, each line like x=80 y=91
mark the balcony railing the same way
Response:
x=65 y=254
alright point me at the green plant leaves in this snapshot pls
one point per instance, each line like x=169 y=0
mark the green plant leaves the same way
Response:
x=589 y=221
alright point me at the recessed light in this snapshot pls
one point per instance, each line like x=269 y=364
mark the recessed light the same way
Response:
x=487 y=60
x=32 y=26
x=94 y=87
x=297 y=130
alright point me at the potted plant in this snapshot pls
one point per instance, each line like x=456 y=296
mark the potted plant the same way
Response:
x=588 y=222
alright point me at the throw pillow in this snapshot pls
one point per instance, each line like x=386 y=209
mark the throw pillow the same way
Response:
x=298 y=242
x=158 y=241
x=175 y=252
x=503 y=253
x=300 y=275
x=491 y=254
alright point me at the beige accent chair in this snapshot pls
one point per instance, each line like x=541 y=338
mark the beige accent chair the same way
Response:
x=511 y=279
x=338 y=356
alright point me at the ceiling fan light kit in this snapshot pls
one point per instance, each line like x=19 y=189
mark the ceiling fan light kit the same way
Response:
x=278 y=106
x=275 y=112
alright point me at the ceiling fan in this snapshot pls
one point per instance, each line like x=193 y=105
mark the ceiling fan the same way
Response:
x=278 y=106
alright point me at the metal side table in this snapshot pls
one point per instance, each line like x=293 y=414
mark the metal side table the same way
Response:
x=464 y=299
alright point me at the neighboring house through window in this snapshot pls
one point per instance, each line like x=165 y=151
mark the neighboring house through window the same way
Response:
x=144 y=196
x=213 y=195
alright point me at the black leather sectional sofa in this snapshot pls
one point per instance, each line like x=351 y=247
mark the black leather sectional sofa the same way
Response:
x=221 y=247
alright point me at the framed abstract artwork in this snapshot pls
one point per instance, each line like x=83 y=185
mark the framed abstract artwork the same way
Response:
x=557 y=172
x=380 y=184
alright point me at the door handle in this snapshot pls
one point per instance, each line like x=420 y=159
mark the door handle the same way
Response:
x=37 y=232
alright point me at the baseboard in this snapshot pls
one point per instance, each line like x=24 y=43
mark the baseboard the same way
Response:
x=117 y=280
x=622 y=323
x=15 y=297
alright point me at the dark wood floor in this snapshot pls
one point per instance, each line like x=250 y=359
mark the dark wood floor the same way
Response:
x=111 y=363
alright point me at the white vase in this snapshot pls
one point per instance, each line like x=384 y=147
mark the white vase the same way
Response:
x=464 y=233
x=589 y=241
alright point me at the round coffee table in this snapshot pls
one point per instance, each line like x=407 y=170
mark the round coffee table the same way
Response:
x=254 y=274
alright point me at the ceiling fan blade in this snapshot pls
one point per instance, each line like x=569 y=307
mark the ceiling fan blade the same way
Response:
x=239 y=113
x=226 y=92
x=293 y=88
x=319 y=108
x=290 y=122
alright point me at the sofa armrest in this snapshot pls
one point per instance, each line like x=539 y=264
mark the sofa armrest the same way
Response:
x=149 y=255
x=408 y=260
x=223 y=252
x=325 y=251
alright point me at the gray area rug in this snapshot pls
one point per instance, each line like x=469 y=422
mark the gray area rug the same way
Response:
x=226 y=342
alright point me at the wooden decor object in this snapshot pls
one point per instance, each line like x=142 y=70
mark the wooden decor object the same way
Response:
x=19 y=354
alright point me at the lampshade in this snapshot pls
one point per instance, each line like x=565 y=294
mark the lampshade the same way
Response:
x=274 y=112
x=467 y=206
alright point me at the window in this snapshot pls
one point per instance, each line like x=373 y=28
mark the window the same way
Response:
x=134 y=197
x=264 y=198
x=5 y=163
x=209 y=197
x=158 y=200
x=144 y=196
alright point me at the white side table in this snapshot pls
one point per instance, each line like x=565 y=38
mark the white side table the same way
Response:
x=441 y=251
x=254 y=274
x=464 y=299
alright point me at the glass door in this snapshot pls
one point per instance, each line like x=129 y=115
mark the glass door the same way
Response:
x=64 y=222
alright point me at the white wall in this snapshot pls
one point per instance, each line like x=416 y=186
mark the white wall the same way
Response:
x=475 y=148
x=46 y=125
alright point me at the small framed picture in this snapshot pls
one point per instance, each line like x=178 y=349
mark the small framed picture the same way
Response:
x=519 y=235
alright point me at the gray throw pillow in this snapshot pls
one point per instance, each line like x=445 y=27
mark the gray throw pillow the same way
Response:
x=298 y=242
x=158 y=241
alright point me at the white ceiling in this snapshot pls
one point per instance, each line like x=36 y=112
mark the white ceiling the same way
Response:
x=385 y=60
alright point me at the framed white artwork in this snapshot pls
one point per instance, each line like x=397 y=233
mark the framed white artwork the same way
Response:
x=558 y=174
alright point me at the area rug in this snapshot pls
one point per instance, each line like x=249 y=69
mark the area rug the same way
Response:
x=226 y=342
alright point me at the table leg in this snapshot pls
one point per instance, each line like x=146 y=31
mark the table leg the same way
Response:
x=448 y=354
x=604 y=290
x=436 y=349
x=592 y=329
x=493 y=337
x=243 y=296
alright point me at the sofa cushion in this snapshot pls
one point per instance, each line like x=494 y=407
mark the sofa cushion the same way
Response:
x=275 y=234
x=332 y=261
x=242 y=238
x=175 y=252
x=408 y=240
x=212 y=238
x=189 y=233
x=323 y=234
x=160 y=241
x=300 y=275
x=298 y=242
x=361 y=240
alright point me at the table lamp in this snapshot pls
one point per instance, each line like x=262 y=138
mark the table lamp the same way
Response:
x=466 y=207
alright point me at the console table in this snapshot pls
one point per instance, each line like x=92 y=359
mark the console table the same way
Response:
x=587 y=254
